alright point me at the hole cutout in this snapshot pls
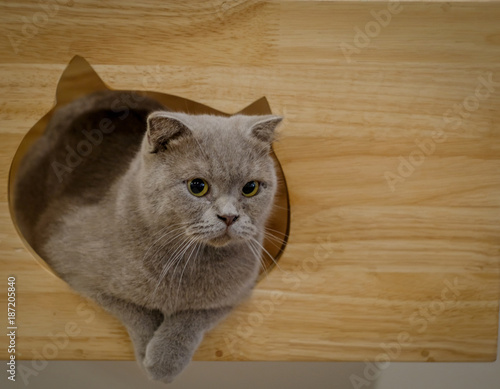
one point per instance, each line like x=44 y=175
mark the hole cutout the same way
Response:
x=80 y=79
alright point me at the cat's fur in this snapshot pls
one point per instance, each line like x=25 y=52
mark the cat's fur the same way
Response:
x=120 y=226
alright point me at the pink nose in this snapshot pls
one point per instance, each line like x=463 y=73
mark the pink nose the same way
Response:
x=228 y=219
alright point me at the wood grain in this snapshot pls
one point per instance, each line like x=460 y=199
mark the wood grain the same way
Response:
x=367 y=265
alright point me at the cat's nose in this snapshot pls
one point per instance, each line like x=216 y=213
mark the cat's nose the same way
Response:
x=228 y=219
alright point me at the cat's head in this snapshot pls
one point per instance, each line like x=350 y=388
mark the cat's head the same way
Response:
x=210 y=177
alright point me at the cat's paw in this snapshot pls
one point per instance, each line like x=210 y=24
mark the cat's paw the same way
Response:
x=165 y=359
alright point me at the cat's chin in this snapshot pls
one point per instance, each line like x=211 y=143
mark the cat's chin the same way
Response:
x=224 y=239
x=221 y=241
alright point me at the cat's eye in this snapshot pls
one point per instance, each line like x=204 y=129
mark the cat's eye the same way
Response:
x=197 y=187
x=250 y=189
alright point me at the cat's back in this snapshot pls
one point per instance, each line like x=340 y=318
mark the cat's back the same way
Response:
x=87 y=145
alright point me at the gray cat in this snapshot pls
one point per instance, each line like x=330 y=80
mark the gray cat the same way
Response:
x=157 y=216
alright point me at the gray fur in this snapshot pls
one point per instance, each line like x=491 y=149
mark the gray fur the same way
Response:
x=122 y=228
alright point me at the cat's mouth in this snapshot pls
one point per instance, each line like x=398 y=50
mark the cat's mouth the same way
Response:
x=222 y=239
x=219 y=238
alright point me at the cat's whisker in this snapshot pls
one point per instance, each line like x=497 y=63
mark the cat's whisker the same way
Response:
x=175 y=255
x=278 y=232
x=263 y=264
x=196 y=256
x=174 y=258
x=273 y=240
x=165 y=232
x=166 y=243
x=267 y=252
x=172 y=238
x=257 y=255
x=167 y=228
x=184 y=251
x=272 y=236
x=172 y=228
x=195 y=247
x=180 y=252
x=278 y=243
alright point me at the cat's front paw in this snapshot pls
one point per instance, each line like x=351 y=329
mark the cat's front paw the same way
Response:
x=165 y=359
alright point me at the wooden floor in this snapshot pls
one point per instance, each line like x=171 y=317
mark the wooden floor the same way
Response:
x=390 y=147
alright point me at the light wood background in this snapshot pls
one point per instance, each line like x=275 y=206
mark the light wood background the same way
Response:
x=367 y=265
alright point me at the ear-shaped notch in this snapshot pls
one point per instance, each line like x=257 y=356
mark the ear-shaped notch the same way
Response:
x=264 y=129
x=164 y=128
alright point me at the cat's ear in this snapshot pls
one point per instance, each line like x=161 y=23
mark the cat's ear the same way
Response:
x=163 y=129
x=265 y=127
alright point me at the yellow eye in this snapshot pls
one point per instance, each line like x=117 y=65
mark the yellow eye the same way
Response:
x=250 y=189
x=197 y=187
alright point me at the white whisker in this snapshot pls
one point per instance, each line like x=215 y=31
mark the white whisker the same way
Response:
x=195 y=247
x=267 y=252
x=258 y=255
x=167 y=230
x=276 y=242
x=171 y=261
x=278 y=232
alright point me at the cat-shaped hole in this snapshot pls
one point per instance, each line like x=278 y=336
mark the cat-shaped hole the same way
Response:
x=80 y=79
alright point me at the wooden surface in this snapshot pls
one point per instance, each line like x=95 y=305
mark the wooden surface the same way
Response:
x=410 y=272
